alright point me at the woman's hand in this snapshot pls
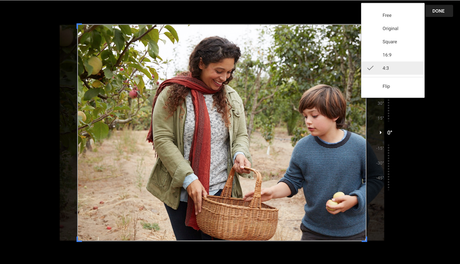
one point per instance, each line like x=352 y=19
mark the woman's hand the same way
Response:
x=345 y=202
x=196 y=190
x=240 y=162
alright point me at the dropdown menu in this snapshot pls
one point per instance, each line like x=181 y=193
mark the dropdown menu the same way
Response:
x=392 y=50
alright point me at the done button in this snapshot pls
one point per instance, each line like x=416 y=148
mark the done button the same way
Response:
x=439 y=10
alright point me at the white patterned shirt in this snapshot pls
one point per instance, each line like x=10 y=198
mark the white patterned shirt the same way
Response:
x=219 y=145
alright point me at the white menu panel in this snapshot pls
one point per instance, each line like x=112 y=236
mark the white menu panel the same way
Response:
x=393 y=50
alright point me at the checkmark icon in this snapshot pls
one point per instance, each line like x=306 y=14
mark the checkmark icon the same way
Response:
x=371 y=67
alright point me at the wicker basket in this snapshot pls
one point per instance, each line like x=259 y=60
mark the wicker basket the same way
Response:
x=230 y=218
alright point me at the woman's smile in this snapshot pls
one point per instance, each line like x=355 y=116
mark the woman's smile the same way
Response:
x=218 y=84
x=215 y=74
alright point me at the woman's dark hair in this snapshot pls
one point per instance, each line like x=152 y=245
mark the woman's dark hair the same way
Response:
x=212 y=50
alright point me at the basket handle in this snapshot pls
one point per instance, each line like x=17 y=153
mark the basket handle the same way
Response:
x=227 y=191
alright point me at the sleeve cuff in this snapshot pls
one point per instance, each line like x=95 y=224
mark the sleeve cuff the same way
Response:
x=236 y=154
x=361 y=202
x=188 y=179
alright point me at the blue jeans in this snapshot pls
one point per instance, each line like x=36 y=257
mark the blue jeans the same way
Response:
x=181 y=231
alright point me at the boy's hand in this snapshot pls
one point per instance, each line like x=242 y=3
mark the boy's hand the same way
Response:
x=345 y=202
x=265 y=195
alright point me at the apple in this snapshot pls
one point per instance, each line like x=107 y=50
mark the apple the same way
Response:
x=338 y=194
x=108 y=228
x=83 y=116
x=121 y=69
x=330 y=202
x=66 y=37
x=133 y=93
x=94 y=207
x=96 y=63
x=97 y=84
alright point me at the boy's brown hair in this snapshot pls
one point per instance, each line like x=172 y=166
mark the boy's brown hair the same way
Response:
x=327 y=100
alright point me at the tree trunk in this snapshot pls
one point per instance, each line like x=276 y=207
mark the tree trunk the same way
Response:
x=254 y=105
x=351 y=73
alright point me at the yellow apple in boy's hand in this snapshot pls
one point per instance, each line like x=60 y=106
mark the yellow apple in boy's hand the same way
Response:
x=330 y=202
x=338 y=194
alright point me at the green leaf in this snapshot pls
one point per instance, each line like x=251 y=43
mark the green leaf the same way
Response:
x=82 y=144
x=108 y=26
x=125 y=29
x=91 y=93
x=138 y=67
x=170 y=36
x=84 y=37
x=108 y=73
x=173 y=31
x=125 y=107
x=153 y=49
x=96 y=40
x=153 y=71
x=108 y=88
x=99 y=130
x=88 y=67
x=154 y=35
x=141 y=85
x=87 y=107
x=119 y=40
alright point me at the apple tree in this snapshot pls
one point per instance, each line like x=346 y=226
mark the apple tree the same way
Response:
x=308 y=55
x=113 y=62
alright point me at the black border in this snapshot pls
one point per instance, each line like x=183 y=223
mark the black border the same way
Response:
x=411 y=120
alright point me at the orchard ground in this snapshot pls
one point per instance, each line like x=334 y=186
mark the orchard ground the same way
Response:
x=113 y=203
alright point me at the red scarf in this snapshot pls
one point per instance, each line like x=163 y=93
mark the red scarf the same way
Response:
x=200 y=152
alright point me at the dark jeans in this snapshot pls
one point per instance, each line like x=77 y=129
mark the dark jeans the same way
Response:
x=308 y=234
x=181 y=231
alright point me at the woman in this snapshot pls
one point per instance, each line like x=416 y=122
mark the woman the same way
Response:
x=199 y=132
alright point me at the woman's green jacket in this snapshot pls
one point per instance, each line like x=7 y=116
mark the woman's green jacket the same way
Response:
x=169 y=172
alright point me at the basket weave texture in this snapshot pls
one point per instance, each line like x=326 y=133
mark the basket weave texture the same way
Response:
x=230 y=218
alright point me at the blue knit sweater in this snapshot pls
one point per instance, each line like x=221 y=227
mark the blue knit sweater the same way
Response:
x=324 y=169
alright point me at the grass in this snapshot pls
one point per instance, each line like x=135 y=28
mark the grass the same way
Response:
x=140 y=169
x=125 y=143
x=150 y=226
x=124 y=223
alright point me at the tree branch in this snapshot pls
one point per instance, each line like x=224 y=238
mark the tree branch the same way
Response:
x=87 y=31
x=127 y=45
x=96 y=120
x=260 y=110
x=98 y=95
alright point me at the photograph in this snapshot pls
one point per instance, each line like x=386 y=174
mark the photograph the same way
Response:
x=223 y=132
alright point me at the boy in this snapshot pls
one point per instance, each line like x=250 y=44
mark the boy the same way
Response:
x=329 y=160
